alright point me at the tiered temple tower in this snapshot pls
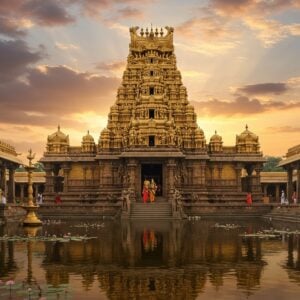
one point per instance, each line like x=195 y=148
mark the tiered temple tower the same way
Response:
x=152 y=109
x=152 y=132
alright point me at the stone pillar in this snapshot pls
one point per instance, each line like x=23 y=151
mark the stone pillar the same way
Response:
x=66 y=169
x=197 y=173
x=220 y=169
x=277 y=193
x=22 y=192
x=238 y=171
x=3 y=181
x=298 y=185
x=265 y=189
x=171 y=165
x=132 y=169
x=11 y=186
x=36 y=191
x=250 y=179
x=203 y=179
x=211 y=171
x=49 y=184
x=84 y=174
x=289 y=183
x=256 y=186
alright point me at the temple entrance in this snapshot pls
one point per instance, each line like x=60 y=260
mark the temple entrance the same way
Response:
x=154 y=171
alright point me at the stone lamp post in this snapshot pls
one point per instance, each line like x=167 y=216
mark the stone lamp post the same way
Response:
x=31 y=219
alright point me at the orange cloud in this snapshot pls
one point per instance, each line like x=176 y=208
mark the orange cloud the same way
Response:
x=283 y=129
x=50 y=94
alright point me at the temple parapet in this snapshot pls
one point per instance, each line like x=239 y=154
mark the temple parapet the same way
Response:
x=293 y=151
x=151 y=39
x=4 y=147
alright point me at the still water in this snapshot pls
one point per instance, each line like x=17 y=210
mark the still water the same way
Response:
x=144 y=260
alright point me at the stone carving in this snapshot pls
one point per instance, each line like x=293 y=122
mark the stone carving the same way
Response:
x=177 y=205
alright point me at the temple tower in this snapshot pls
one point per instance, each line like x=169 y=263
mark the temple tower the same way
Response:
x=152 y=132
x=152 y=109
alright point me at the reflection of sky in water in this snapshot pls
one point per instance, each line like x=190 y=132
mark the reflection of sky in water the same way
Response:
x=162 y=260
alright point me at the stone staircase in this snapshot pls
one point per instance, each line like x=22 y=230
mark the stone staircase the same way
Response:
x=155 y=211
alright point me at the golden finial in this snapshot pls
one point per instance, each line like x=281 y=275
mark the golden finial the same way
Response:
x=246 y=126
x=30 y=157
x=215 y=131
x=142 y=32
x=161 y=32
x=156 y=31
x=58 y=127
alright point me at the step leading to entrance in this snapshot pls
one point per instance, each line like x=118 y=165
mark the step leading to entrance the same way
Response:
x=155 y=210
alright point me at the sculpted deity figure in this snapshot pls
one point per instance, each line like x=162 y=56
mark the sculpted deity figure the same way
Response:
x=152 y=190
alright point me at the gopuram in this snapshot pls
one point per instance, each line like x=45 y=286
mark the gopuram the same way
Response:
x=152 y=133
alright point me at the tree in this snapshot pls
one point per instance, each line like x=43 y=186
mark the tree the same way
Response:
x=271 y=165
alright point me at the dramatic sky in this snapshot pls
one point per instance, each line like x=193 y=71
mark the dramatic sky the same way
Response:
x=61 y=62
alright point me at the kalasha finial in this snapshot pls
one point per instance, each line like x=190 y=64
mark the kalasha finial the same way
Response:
x=30 y=156
x=142 y=32
x=58 y=127
x=161 y=32
x=246 y=126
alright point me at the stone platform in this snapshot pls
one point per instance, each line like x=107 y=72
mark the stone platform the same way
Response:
x=11 y=213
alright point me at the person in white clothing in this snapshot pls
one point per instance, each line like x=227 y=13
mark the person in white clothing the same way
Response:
x=282 y=197
x=3 y=200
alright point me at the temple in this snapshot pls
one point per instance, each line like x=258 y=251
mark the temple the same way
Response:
x=9 y=162
x=152 y=132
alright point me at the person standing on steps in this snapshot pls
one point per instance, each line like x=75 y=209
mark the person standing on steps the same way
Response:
x=145 y=192
x=152 y=190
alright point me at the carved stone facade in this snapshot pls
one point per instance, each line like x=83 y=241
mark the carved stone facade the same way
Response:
x=152 y=132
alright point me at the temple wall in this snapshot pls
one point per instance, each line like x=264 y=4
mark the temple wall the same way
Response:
x=76 y=171
x=228 y=172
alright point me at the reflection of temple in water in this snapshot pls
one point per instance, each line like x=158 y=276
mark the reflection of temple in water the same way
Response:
x=136 y=260
x=155 y=260
x=293 y=259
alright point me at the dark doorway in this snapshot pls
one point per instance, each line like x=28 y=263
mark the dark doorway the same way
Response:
x=151 y=140
x=154 y=171
x=151 y=90
x=151 y=113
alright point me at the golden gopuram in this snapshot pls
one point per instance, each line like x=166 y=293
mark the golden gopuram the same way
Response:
x=152 y=133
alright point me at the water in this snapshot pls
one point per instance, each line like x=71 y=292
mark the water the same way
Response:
x=144 y=260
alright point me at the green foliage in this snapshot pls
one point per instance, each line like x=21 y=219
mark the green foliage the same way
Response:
x=271 y=164
x=39 y=167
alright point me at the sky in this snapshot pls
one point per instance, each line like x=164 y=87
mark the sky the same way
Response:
x=61 y=62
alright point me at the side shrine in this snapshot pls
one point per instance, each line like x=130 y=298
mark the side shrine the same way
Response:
x=152 y=133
